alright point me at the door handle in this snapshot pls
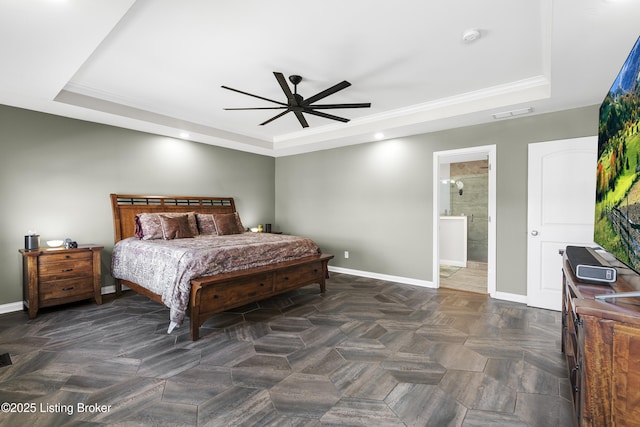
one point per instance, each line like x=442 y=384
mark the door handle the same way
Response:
x=534 y=232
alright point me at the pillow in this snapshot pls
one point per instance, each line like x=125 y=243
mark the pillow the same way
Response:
x=206 y=224
x=228 y=223
x=175 y=227
x=149 y=227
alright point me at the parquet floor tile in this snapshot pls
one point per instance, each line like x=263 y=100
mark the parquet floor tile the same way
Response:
x=367 y=353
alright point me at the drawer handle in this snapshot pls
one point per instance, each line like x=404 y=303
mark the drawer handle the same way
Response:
x=67 y=256
x=216 y=297
x=286 y=278
x=67 y=289
x=66 y=270
x=262 y=284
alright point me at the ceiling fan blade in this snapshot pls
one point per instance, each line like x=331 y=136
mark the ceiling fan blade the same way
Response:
x=326 y=116
x=331 y=106
x=333 y=89
x=255 y=96
x=256 y=108
x=301 y=119
x=285 y=88
x=275 y=117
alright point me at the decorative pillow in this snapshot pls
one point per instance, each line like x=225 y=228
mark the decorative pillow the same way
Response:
x=206 y=224
x=175 y=227
x=228 y=223
x=149 y=227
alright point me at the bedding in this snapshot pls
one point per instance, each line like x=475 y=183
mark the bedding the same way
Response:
x=167 y=266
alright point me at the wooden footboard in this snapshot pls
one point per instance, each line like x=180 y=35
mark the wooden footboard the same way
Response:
x=215 y=294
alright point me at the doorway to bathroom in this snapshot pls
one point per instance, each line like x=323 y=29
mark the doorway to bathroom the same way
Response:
x=464 y=219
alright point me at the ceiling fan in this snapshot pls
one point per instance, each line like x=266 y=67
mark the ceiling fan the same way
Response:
x=298 y=105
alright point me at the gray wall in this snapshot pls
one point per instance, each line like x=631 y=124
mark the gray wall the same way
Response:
x=474 y=203
x=56 y=175
x=375 y=199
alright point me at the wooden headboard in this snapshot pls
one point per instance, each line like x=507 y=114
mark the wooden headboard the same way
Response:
x=125 y=207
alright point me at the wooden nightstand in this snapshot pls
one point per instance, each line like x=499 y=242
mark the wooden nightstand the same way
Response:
x=53 y=276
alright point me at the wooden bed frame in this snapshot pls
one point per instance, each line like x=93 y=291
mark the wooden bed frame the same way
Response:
x=214 y=294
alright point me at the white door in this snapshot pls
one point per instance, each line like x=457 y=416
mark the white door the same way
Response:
x=561 y=204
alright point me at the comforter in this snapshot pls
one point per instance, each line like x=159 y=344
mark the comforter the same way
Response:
x=166 y=267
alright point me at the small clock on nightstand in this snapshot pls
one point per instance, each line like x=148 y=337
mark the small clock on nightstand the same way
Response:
x=54 y=276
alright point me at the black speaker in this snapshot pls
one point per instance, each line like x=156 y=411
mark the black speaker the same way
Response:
x=31 y=242
x=588 y=266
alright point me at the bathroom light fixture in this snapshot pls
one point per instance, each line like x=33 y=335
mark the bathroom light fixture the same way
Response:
x=184 y=135
x=459 y=184
x=379 y=136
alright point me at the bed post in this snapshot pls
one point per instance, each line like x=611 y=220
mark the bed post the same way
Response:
x=117 y=229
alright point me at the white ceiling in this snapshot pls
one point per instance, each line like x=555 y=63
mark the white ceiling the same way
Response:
x=158 y=65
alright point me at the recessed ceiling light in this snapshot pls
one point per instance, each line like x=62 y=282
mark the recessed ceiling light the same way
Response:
x=184 y=135
x=379 y=135
x=470 y=35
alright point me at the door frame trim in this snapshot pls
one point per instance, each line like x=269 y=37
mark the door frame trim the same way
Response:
x=461 y=155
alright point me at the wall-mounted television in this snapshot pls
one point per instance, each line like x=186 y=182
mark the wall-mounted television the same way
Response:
x=617 y=214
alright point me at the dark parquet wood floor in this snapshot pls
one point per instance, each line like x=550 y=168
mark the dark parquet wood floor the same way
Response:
x=367 y=353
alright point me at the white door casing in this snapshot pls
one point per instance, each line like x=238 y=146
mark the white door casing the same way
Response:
x=561 y=205
x=462 y=155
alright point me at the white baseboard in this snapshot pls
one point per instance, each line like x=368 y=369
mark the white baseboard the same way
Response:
x=11 y=307
x=110 y=289
x=370 y=275
x=17 y=306
x=453 y=263
x=505 y=296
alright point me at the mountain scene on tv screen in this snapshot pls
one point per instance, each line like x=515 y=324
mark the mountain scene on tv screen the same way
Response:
x=617 y=220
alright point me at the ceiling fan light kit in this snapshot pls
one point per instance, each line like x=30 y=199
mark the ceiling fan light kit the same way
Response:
x=299 y=105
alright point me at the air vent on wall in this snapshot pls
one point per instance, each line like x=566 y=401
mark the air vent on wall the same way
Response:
x=513 y=113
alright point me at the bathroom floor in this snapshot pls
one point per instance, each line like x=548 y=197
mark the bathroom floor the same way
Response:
x=473 y=278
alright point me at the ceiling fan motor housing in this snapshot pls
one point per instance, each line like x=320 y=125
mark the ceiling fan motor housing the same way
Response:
x=295 y=79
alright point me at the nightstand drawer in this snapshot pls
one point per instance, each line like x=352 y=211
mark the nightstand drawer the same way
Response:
x=63 y=266
x=67 y=289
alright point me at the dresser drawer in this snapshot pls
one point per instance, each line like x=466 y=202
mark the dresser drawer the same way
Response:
x=293 y=276
x=64 y=266
x=67 y=290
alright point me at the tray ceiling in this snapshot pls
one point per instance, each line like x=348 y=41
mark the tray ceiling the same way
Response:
x=158 y=65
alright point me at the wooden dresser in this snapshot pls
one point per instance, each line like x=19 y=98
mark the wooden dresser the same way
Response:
x=53 y=276
x=601 y=342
